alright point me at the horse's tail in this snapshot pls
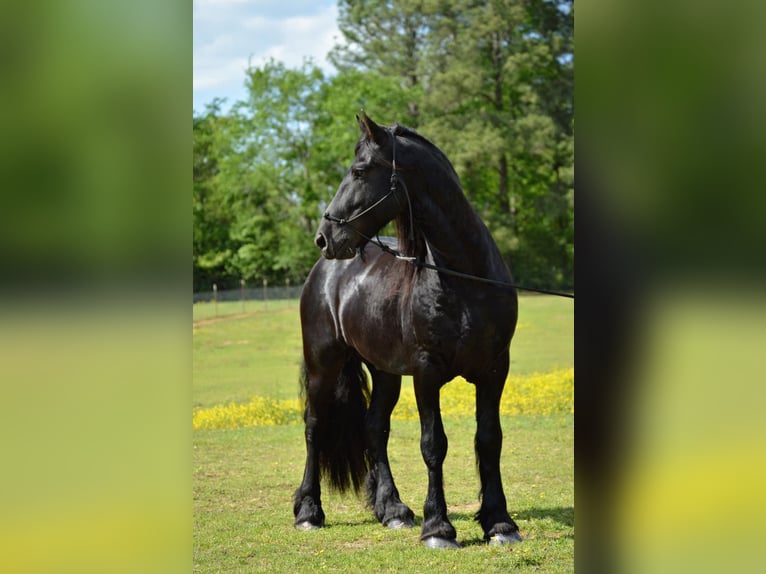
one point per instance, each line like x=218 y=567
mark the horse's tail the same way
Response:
x=340 y=431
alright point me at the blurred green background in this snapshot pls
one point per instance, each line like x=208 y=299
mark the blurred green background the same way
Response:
x=95 y=243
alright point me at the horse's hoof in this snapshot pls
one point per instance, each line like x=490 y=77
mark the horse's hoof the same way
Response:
x=396 y=524
x=307 y=526
x=436 y=542
x=505 y=539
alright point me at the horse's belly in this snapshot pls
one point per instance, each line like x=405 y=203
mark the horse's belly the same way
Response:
x=384 y=355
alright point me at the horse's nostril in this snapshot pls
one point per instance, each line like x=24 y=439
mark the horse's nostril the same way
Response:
x=320 y=241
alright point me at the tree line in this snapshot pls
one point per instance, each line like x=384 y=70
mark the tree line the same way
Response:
x=490 y=82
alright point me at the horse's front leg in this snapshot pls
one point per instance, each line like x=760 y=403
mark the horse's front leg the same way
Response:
x=382 y=493
x=498 y=526
x=437 y=531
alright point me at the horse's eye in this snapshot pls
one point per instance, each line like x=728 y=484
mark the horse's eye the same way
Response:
x=358 y=172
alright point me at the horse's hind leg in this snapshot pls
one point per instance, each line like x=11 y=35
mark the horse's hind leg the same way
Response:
x=336 y=407
x=381 y=490
x=498 y=526
x=307 y=502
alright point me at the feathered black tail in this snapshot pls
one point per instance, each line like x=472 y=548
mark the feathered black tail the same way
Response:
x=340 y=434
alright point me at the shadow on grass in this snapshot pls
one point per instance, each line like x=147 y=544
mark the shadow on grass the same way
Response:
x=562 y=515
x=358 y=522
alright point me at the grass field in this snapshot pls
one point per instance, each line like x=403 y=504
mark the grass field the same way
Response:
x=212 y=310
x=244 y=478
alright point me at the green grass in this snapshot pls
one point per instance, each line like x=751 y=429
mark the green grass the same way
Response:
x=238 y=357
x=544 y=338
x=244 y=478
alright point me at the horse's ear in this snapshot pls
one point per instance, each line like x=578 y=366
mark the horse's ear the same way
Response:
x=371 y=131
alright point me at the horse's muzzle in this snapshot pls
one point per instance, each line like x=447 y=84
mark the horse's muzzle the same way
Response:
x=330 y=249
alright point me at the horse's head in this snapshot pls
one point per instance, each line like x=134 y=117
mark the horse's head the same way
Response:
x=366 y=198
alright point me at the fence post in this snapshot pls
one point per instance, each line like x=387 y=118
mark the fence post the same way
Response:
x=215 y=299
x=242 y=290
x=265 y=294
x=287 y=292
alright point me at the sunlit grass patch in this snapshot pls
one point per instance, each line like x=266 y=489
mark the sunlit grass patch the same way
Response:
x=536 y=394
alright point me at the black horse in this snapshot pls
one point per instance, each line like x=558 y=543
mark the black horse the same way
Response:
x=363 y=305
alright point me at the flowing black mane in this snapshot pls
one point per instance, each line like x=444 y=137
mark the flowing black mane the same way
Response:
x=409 y=235
x=403 y=131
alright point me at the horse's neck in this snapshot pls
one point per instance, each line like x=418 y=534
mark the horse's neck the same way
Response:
x=456 y=236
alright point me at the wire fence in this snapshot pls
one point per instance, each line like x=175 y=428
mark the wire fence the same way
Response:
x=226 y=302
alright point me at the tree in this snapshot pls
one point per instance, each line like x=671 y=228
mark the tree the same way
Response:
x=271 y=186
x=211 y=244
x=387 y=38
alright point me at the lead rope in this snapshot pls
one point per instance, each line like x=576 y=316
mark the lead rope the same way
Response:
x=420 y=263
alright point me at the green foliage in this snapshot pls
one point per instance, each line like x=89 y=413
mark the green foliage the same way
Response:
x=490 y=82
x=211 y=244
x=391 y=46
